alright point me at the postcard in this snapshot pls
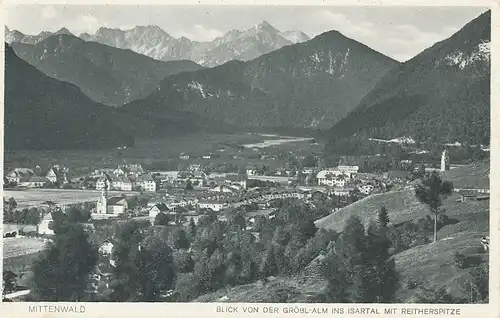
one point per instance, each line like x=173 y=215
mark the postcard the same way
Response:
x=226 y=159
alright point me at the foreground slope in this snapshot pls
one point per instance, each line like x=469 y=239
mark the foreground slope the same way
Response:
x=472 y=176
x=107 y=75
x=442 y=93
x=307 y=85
x=43 y=113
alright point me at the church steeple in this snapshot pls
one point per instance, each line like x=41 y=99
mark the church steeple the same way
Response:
x=103 y=201
x=445 y=161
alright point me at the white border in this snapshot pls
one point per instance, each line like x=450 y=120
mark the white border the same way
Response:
x=210 y=309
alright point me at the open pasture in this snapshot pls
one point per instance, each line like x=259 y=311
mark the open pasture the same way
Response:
x=36 y=197
x=19 y=246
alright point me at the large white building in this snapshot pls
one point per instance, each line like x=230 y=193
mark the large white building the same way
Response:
x=147 y=183
x=333 y=178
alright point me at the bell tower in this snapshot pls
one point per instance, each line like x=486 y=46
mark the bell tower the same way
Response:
x=445 y=161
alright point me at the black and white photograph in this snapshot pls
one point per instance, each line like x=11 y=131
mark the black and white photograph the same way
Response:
x=247 y=154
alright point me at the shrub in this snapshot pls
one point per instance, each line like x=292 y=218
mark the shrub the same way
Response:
x=413 y=283
x=459 y=260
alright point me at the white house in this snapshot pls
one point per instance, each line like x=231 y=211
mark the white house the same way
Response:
x=147 y=183
x=126 y=184
x=341 y=192
x=43 y=226
x=119 y=171
x=157 y=209
x=214 y=205
x=57 y=174
x=106 y=247
x=17 y=174
x=104 y=182
x=222 y=188
x=308 y=170
x=116 y=205
x=34 y=182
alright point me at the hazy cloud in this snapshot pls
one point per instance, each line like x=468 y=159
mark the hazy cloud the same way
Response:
x=199 y=33
x=49 y=12
x=87 y=23
x=342 y=23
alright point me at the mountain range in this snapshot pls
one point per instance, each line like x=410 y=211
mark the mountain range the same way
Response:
x=311 y=84
x=442 y=94
x=234 y=45
x=330 y=82
x=12 y=36
x=154 y=42
x=108 y=75
x=43 y=113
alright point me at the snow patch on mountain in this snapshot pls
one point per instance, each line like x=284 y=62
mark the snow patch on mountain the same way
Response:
x=295 y=36
x=463 y=60
x=198 y=87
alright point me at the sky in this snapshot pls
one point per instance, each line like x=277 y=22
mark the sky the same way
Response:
x=399 y=32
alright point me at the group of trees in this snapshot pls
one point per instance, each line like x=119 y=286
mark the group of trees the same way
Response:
x=358 y=265
x=62 y=272
x=30 y=216
x=200 y=258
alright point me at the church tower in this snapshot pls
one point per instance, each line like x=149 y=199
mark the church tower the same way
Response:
x=102 y=205
x=445 y=161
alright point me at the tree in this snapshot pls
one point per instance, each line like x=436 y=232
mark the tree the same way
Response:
x=383 y=217
x=154 y=269
x=128 y=235
x=360 y=266
x=61 y=273
x=180 y=239
x=191 y=230
x=379 y=276
x=478 y=287
x=431 y=192
x=9 y=282
x=161 y=219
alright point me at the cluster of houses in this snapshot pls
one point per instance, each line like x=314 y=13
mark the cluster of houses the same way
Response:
x=36 y=178
x=125 y=178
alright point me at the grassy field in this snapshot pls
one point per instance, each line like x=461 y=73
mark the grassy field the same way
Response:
x=403 y=206
x=277 y=290
x=475 y=176
x=35 y=197
x=433 y=262
x=19 y=246
x=21 y=265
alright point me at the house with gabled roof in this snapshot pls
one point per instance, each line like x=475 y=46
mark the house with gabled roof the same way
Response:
x=34 y=182
x=157 y=209
x=19 y=174
x=44 y=225
x=146 y=182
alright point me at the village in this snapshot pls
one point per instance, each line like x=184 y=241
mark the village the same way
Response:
x=174 y=199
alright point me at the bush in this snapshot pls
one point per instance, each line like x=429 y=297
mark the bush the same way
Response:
x=459 y=260
x=413 y=283
x=161 y=219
